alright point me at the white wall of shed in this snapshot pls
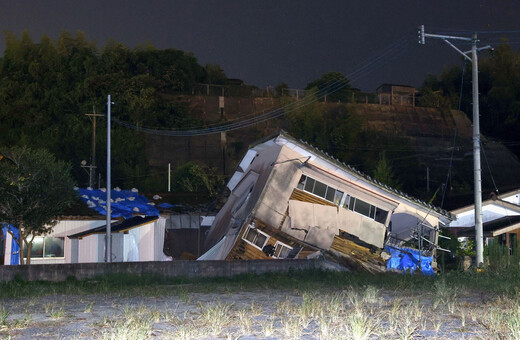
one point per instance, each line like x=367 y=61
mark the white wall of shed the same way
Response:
x=131 y=245
x=62 y=229
x=146 y=242
x=92 y=249
x=160 y=227
x=151 y=240
x=7 y=253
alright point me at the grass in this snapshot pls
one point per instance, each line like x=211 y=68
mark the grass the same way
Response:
x=215 y=317
x=4 y=313
x=445 y=285
x=314 y=304
x=88 y=307
x=135 y=323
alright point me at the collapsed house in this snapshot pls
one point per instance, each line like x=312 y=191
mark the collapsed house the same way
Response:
x=291 y=200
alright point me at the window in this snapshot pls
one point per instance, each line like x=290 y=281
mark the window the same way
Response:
x=366 y=209
x=320 y=189
x=46 y=247
x=255 y=237
x=340 y=198
x=381 y=215
x=309 y=185
x=362 y=207
x=281 y=250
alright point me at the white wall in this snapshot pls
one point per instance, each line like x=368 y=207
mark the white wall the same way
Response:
x=62 y=229
x=92 y=249
x=144 y=243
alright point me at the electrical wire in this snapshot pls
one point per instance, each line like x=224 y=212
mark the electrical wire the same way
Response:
x=396 y=49
x=448 y=175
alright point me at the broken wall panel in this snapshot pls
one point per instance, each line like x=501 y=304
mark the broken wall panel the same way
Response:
x=330 y=219
x=284 y=177
x=320 y=237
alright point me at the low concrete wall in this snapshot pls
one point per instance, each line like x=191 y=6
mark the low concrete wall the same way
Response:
x=170 y=269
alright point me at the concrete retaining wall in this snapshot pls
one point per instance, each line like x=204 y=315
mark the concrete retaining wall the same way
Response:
x=170 y=269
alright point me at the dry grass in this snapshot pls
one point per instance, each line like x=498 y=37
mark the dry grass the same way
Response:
x=441 y=308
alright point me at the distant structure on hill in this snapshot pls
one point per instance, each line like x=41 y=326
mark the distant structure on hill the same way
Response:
x=391 y=94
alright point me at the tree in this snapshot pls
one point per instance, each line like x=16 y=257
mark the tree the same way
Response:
x=215 y=74
x=332 y=82
x=384 y=173
x=191 y=177
x=47 y=87
x=35 y=189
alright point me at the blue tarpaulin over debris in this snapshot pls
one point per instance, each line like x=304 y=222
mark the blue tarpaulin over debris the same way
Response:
x=408 y=260
x=15 y=248
x=123 y=202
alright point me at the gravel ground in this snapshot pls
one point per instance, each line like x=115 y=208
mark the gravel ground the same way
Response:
x=176 y=312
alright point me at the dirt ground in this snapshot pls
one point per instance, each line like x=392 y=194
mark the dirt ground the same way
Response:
x=351 y=313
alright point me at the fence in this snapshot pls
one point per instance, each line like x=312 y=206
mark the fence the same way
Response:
x=169 y=269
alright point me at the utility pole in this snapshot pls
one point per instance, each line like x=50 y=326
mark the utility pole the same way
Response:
x=108 y=238
x=92 y=167
x=477 y=170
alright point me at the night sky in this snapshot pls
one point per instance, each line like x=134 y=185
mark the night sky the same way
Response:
x=267 y=42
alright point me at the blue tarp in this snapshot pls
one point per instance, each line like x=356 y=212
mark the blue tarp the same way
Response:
x=408 y=260
x=15 y=248
x=165 y=205
x=123 y=202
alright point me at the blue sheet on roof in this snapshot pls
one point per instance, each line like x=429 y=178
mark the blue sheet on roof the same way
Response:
x=123 y=202
x=408 y=260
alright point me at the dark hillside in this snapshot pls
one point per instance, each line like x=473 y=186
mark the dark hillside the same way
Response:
x=415 y=140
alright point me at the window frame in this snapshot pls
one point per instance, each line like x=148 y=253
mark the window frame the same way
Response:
x=282 y=245
x=347 y=201
x=327 y=187
x=250 y=227
x=43 y=257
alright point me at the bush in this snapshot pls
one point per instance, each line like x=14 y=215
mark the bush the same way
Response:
x=191 y=177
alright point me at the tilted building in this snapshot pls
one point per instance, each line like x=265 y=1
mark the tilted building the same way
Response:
x=291 y=200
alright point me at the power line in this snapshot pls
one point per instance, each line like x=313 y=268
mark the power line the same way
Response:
x=394 y=50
